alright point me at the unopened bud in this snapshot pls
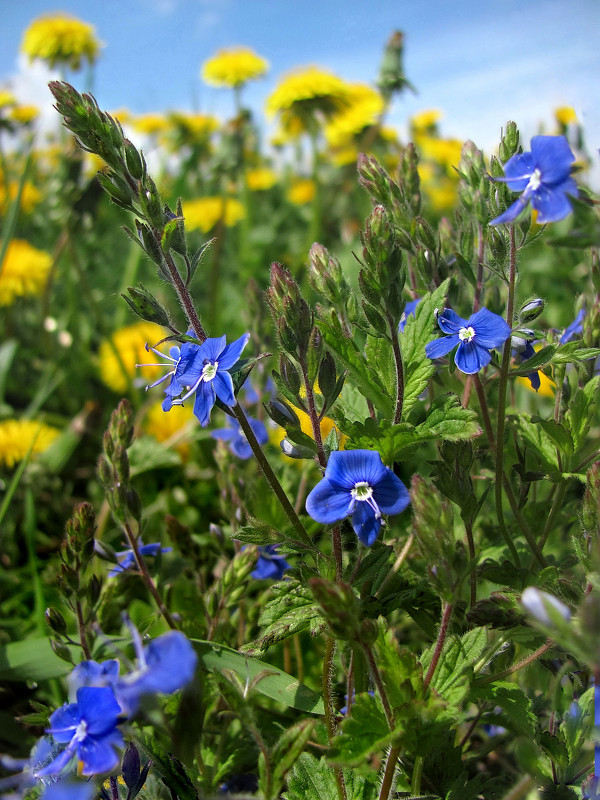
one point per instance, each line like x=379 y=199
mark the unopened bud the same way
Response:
x=544 y=607
x=531 y=309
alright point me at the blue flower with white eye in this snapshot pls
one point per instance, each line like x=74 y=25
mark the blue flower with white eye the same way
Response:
x=89 y=730
x=127 y=558
x=409 y=311
x=544 y=178
x=177 y=362
x=270 y=563
x=475 y=337
x=233 y=434
x=357 y=483
x=206 y=374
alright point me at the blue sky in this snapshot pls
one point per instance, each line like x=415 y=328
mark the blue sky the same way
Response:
x=481 y=63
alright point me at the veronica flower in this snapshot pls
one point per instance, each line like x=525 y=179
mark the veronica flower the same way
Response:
x=164 y=665
x=357 y=483
x=475 y=337
x=177 y=363
x=127 y=557
x=270 y=563
x=544 y=178
x=206 y=375
x=574 y=329
x=409 y=310
x=238 y=444
x=88 y=727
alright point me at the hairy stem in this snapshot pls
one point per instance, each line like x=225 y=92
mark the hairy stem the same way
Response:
x=329 y=714
x=399 y=371
x=388 y=775
x=380 y=687
x=439 y=645
x=146 y=577
x=515 y=667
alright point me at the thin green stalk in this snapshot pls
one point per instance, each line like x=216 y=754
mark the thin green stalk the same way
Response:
x=376 y=675
x=439 y=645
x=399 y=372
x=498 y=676
x=502 y=384
x=329 y=713
x=555 y=508
x=415 y=786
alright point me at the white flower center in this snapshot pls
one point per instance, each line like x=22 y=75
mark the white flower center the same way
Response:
x=210 y=370
x=80 y=731
x=466 y=334
x=535 y=180
x=362 y=491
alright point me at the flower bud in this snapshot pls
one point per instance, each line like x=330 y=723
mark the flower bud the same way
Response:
x=56 y=621
x=282 y=414
x=544 y=607
x=531 y=310
x=142 y=303
x=136 y=163
x=295 y=450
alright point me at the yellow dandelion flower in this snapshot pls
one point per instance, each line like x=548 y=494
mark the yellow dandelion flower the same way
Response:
x=61 y=39
x=123 y=115
x=301 y=191
x=30 y=196
x=24 y=271
x=261 y=179
x=150 y=124
x=130 y=343
x=364 y=108
x=204 y=212
x=174 y=428
x=445 y=152
x=23 y=115
x=306 y=92
x=17 y=436
x=7 y=98
x=327 y=425
x=425 y=120
x=565 y=115
x=233 y=67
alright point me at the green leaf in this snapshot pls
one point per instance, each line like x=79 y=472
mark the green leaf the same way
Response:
x=363 y=374
x=576 y=728
x=540 y=359
x=261 y=533
x=446 y=419
x=286 y=752
x=373 y=567
x=379 y=354
x=363 y=733
x=516 y=709
x=146 y=454
x=573 y=352
x=581 y=410
x=8 y=350
x=313 y=779
x=418 y=332
x=277 y=685
x=455 y=668
x=32 y=660
x=401 y=673
x=171 y=771
x=555 y=431
x=539 y=441
x=293 y=609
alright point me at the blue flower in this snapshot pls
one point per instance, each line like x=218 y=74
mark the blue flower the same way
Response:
x=205 y=373
x=69 y=790
x=238 y=443
x=357 y=483
x=178 y=362
x=88 y=728
x=164 y=665
x=270 y=564
x=127 y=558
x=574 y=329
x=475 y=337
x=409 y=310
x=523 y=350
x=544 y=178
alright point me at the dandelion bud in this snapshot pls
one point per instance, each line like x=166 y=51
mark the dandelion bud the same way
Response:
x=531 y=309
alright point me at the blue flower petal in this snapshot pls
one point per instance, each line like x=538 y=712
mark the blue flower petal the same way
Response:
x=61 y=761
x=232 y=352
x=518 y=170
x=346 y=468
x=212 y=348
x=512 y=212
x=365 y=523
x=490 y=329
x=223 y=386
x=64 y=721
x=390 y=494
x=575 y=328
x=441 y=347
x=553 y=157
x=204 y=402
x=551 y=205
x=98 y=707
x=99 y=755
x=470 y=357
x=225 y=434
x=450 y=322
x=327 y=504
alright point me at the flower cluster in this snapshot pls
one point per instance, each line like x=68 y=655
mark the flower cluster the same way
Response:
x=88 y=727
x=61 y=39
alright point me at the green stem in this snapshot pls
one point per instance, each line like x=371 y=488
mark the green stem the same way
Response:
x=498 y=676
x=439 y=645
x=485 y=413
x=329 y=713
x=417 y=775
x=399 y=371
x=388 y=775
x=556 y=506
x=380 y=687
x=502 y=384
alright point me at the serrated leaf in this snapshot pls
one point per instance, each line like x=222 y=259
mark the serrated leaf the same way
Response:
x=573 y=352
x=274 y=683
x=555 y=431
x=539 y=441
x=362 y=734
x=379 y=353
x=293 y=609
x=516 y=709
x=401 y=673
x=171 y=771
x=288 y=749
x=261 y=533
x=454 y=671
x=362 y=373
x=313 y=779
x=418 y=332
x=540 y=359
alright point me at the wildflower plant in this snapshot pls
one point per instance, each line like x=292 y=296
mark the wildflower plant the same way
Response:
x=399 y=521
